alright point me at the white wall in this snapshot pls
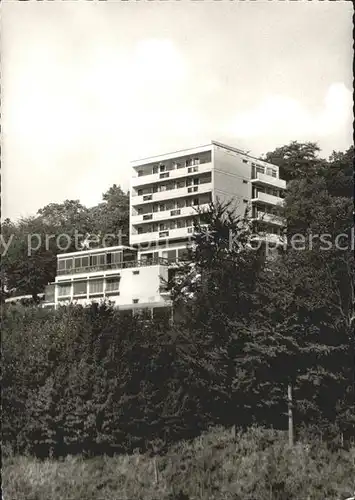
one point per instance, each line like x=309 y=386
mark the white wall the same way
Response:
x=143 y=286
x=229 y=172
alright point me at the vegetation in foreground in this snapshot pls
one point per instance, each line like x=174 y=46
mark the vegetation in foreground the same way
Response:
x=91 y=382
x=253 y=465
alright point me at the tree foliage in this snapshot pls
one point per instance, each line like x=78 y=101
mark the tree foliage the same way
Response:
x=30 y=245
x=96 y=381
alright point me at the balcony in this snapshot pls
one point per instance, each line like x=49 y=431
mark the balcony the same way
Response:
x=268 y=198
x=167 y=214
x=177 y=173
x=156 y=236
x=268 y=180
x=269 y=218
x=116 y=265
x=171 y=194
x=273 y=239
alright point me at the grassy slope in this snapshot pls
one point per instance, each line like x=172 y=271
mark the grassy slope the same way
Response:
x=256 y=465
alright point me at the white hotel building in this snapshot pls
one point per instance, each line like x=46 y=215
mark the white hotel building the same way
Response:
x=165 y=190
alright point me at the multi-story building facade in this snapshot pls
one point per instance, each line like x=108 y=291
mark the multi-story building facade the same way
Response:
x=167 y=189
x=111 y=273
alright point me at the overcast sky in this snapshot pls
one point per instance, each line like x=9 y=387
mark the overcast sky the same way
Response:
x=89 y=86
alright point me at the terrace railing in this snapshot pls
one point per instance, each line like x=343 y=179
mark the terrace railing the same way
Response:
x=115 y=265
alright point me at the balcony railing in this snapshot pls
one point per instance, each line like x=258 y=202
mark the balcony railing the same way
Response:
x=203 y=187
x=178 y=173
x=268 y=180
x=268 y=218
x=267 y=198
x=116 y=265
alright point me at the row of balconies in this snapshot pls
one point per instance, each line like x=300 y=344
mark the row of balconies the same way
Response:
x=155 y=236
x=116 y=265
x=187 y=232
x=172 y=174
x=167 y=214
x=171 y=194
x=201 y=188
x=202 y=168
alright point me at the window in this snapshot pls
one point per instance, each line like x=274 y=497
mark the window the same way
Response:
x=180 y=184
x=140 y=173
x=96 y=286
x=140 y=192
x=80 y=262
x=135 y=272
x=64 y=290
x=115 y=257
x=245 y=201
x=162 y=168
x=77 y=263
x=260 y=169
x=112 y=284
x=80 y=288
x=195 y=201
x=65 y=264
x=245 y=182
x=170 y=255
x=135 y=301
x=183 y=254
x=155 y=169
x=271 y=171
x=97 y=260
x=245 y=161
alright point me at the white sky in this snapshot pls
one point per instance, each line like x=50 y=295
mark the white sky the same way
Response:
x=89 y=86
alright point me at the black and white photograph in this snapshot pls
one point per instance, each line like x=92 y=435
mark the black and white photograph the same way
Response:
x=177 y=250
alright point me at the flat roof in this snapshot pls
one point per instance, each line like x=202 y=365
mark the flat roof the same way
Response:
x=96 y=250
x=169 y=153
x=152 y=159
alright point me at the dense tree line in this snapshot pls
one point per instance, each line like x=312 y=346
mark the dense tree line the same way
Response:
x=95 y=380
x=30 y=245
